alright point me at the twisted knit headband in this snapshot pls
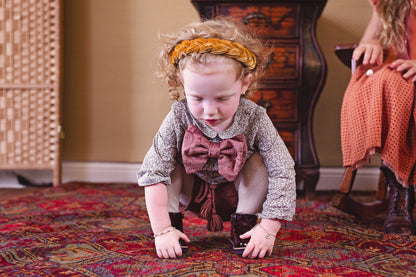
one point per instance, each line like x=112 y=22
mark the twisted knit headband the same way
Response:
x=214 y=46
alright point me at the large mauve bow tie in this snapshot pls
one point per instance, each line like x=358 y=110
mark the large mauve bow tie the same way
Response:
x=196 y=149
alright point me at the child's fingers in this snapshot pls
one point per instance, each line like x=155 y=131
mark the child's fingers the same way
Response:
x=248 y=250
x=159 y=253
x=253 y=251
x=164 y=254
x=167 y=246
x=246 y=235
x=262 y=254
x=184 y=237
x=172 y=253
x=256 y=252
x=178 y=251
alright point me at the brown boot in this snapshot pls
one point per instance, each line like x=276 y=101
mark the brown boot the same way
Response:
x=240 y=224
x=399 y=219
x=176 y=221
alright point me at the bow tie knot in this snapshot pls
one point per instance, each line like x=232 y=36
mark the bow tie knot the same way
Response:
x=214 y=150
x=196 y=149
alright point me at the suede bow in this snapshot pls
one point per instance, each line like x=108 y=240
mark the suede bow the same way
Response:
x=196 y=149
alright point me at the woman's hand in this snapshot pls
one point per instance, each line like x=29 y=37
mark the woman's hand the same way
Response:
x=406 y=67
x=372 y=51
x=262 y=237
x=167 y=245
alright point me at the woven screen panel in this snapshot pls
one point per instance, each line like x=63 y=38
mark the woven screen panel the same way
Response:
x=28 y=127
x=28 y=40
x=29 y=84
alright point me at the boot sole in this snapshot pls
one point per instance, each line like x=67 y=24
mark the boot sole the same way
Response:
x=184 y=246
x=235 y=250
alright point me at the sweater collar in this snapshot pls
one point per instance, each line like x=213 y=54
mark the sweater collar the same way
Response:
x=236 y=128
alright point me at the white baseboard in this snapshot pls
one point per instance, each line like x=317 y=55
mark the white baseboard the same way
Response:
x=365 y=180
x=95 y=172
x=102 y=172
x=99 y=172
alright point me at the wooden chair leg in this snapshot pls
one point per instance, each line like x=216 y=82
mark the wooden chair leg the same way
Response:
x=344 y=202
x=382 y=188
x=348 y=180
x=341 y=199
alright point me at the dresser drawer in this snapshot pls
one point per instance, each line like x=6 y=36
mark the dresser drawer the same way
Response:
x=267 y=20
x=281 y=103
x=289 y=136
x=283 y=62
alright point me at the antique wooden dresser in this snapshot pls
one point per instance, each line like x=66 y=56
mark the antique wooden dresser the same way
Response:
x=296 y=72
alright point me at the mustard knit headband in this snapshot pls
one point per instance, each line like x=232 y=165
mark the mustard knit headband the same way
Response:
x=214 y=46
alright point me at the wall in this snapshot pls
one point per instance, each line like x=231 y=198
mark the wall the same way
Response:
x=113 y=103
x=343 y=21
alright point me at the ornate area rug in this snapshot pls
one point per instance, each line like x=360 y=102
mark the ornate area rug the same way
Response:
x=103 y=230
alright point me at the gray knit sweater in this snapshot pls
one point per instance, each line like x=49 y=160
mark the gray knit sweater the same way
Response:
x=261 y=136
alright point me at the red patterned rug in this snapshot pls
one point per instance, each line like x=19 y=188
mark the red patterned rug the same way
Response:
x=103 y=230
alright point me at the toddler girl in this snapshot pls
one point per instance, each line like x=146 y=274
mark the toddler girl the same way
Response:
x=217 y=153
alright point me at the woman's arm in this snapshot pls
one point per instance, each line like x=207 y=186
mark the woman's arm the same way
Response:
x=369 y=45
x=372 y=28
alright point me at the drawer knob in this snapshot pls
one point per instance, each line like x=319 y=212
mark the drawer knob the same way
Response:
x=257 y=16
x=267 y=104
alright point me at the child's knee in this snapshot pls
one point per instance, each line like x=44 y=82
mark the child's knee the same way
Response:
x=180 y=189
x=252 y=185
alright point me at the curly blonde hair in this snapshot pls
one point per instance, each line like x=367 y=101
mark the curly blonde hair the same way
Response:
x=223 y=28
x=393 y=15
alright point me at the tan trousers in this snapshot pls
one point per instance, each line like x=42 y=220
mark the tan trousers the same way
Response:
x=251 y=185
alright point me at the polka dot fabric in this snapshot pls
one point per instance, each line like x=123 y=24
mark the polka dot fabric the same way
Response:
x=378 y=115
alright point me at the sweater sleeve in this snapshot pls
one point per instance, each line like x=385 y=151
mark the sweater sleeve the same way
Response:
x=161 y=158
x=281 y=197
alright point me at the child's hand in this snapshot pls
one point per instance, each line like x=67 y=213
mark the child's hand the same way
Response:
x=262 y=239
x=372 y=51
x=406 y=67
x=167 y=245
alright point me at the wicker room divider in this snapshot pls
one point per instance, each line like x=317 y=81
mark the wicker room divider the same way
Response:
x=30 y=85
